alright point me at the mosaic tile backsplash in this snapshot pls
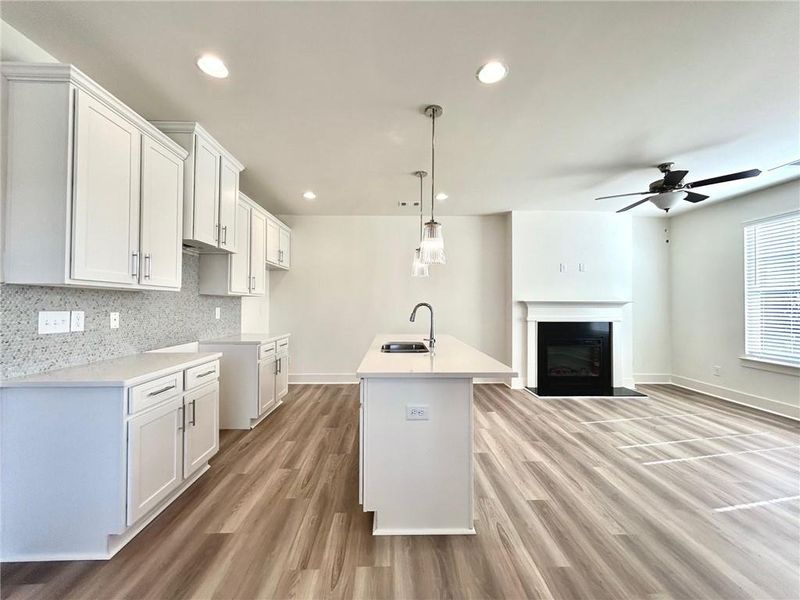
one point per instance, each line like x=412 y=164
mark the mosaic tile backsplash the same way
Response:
x=148 y=320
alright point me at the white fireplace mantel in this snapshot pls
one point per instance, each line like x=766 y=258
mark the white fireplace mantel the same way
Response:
x=617 y=312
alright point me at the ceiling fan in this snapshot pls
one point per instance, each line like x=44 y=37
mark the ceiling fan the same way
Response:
x=670 y=190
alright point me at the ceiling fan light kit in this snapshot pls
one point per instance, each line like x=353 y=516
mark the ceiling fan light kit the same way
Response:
x=432 y=243
x=668 y=191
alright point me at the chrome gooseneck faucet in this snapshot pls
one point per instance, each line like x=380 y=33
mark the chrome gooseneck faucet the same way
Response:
x=431 y=340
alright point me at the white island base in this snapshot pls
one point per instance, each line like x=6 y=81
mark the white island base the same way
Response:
x=416 y=470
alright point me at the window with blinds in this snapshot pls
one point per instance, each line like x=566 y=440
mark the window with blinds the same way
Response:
x=772 y=289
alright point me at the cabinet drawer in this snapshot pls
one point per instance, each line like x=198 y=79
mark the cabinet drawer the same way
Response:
x=266 y=349
x=201 y=374
x=283 y=347
x=153 y=392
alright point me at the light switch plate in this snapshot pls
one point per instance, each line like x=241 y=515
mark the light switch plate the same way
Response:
x=114 y=320
x=76 y=320
x=53 y=321
x=416 y=413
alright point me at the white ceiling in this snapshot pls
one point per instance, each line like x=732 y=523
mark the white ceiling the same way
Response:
x=327 y=96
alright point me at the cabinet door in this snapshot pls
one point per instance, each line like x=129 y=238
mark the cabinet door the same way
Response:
x=206 y=192
x=105 y=208
x=282 y=385
x=241 y=282
x=228 y=198
x=285 y=249
x=258 y=252
x=273 y=242
x=162 y=210
x=155 y=453
x=266 y=385
x=201 y=441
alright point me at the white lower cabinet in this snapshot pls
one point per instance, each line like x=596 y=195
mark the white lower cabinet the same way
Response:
x=254 y=377
x=116 y=442
x=155 y=453
x=201 y=427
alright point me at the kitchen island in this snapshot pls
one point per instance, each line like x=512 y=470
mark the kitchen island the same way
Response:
x=416 y=435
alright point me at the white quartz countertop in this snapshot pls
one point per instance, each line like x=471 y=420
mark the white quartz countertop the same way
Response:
x=247 y=338
x=452 y=358
x=116 y=372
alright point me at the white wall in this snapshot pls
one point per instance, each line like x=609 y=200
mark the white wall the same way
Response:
x=351 y=279
x=16 y=46
x=652 y=357
x=707 y=297
x=541 y=241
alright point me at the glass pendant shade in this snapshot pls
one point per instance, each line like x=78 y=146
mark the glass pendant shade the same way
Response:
x=432 y=244
x=419 y=268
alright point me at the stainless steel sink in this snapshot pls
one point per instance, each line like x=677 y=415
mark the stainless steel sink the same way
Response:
x=406 y=347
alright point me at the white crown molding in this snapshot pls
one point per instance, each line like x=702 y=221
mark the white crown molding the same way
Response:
x=64 y=73
x=193 y=128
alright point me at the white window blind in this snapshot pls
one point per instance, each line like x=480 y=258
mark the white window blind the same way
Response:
x=772 y=288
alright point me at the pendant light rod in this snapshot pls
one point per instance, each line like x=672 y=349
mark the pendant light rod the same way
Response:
x=433 y=111
x=421 y=175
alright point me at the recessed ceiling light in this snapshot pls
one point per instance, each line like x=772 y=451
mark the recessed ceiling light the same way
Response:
x=492 y=72
x=212 y=65
x=309 y=195
x=441 y=196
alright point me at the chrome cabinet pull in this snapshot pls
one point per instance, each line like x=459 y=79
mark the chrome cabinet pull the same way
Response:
x=206 y=373
x=148 y=266
x=135 y=264
x=181 y=422
x=162 y=390
x=194 y=413
x=216 y=232
x=225 y=234
x=276 y=367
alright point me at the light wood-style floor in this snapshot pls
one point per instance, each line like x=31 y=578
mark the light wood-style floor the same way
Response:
x=563 y=510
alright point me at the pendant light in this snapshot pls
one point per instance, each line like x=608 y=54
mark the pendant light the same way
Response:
x=432 y=244
x=419 y=268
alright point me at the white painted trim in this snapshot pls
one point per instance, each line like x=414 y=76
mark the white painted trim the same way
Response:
x=454 y=531
x=646 y=378
x=774 y=366
x=339 y=378
x=331 y=378
x=775 y=407
x=65 y=73
x=193 y=128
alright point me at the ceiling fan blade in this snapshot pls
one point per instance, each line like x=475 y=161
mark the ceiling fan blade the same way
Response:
x=793 y=163
x=724 y=178
x=673 y=178
x=622 y=195
x=694 y=197
x=634 y=205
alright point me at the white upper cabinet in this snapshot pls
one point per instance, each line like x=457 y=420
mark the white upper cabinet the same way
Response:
x=90 y=186
x=240 y=281
x=211 y=187
x=105 y=207
x=258 y=252
x=242 y=273
x=279 y=243
x=228 y=196
x=161 y=216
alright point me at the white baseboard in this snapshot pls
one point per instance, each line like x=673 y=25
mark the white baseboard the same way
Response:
x=652 y=378
x=322 y=378
x=758 y=402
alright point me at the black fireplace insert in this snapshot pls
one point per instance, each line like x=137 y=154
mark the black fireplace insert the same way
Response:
x=574 y=359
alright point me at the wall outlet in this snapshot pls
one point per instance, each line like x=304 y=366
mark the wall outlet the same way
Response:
x=716 y=370
x=562 y=268
x=114 y=320
x=416 y=413
x=216 y=312
x=53 y=321
x=76 y=320
x=582 y=267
